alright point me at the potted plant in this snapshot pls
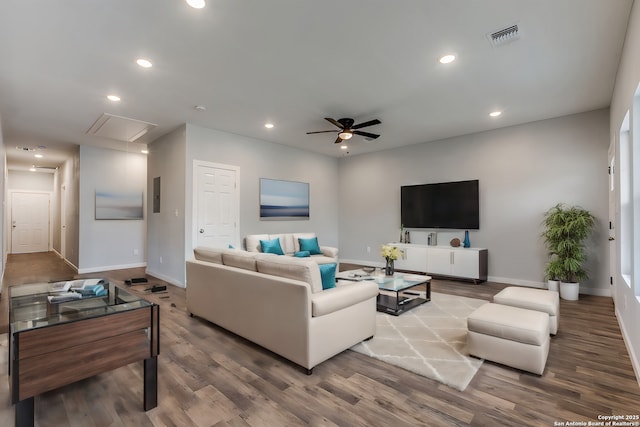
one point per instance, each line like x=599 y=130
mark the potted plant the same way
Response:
x=566 y=228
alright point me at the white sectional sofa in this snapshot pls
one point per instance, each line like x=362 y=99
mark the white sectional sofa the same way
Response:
x=290 y=245
x=278 y=302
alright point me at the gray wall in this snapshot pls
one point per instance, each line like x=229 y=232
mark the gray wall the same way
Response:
x=627 y=299
x=171 y=157
x=523 y=171
x=69 y=187
x=30 y=181
x=110 y=244
x=166 y=229
x=260 y=159
x=3 y=214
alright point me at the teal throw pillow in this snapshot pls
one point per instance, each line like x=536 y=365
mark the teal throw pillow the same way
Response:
x=231 y=246
x=328 y=275
x=310 y=245
x=271 y=246
x=302 y=254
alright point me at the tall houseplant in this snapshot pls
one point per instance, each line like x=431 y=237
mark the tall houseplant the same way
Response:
x=565 y=229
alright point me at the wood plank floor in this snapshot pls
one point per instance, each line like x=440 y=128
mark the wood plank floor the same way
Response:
x=209 y=377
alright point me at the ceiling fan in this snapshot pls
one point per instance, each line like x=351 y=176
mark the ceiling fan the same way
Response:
x=348 y=129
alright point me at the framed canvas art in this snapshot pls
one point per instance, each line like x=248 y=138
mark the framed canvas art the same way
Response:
x=119 y=205
x=283 y=200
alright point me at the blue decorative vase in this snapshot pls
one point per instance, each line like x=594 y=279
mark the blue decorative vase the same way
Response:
x=466 y=243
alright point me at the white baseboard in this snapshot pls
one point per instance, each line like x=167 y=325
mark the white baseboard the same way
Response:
x=602 y=292
x=111 y=267
x=635 y=358
x=165 y=278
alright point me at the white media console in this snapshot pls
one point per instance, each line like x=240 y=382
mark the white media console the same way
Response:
x=460 y=263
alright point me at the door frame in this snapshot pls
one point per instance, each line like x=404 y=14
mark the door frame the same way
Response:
x=613 y=212
x=10 y=217
x=196 y=192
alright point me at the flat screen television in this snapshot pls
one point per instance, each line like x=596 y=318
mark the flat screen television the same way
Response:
x=453 y=205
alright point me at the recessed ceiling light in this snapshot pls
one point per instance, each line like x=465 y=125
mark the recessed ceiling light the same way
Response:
x=343 y=147
x=447 y=59
x=145 y=151
x=39 y=156
x=114 y=98
x=144 y=63
x=268 y=125
x=495 y=113
x=196 y=4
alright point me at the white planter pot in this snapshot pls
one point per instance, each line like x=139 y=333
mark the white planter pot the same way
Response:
x=569 y=291
x=553 y=285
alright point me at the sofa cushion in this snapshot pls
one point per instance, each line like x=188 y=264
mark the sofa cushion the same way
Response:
x=252 y=242
x=310 y=245
x=239 y=259
x=271 y=246
x=286 y=242
x=202 y=253
x=292 y=268
x=328 y=275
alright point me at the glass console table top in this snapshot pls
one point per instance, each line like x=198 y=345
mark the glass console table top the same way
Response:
x=397 y=282
x=30 y=307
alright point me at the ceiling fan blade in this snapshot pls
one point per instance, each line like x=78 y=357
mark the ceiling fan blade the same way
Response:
x=322 y=131
x=334 y=122
x=366 y=134
x=365 y=124
x=338 y=141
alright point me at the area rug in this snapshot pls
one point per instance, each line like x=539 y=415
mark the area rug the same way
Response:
x=430 y=340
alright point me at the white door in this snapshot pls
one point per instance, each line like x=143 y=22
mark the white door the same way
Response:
x=29 y=222
x=216 y=205
x=612 y=218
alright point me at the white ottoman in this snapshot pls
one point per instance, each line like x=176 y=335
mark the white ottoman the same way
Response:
x=513 y=336
x=532 y=299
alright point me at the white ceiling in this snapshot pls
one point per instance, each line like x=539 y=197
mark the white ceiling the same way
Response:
x=294 y=62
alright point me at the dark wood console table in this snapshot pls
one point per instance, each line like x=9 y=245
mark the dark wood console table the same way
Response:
x=55 y=344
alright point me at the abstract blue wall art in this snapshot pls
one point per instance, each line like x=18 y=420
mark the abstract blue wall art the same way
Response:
x=119 y=205
x=283 y=200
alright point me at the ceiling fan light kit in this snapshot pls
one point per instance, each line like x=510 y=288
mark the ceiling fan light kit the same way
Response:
x=348 y=129
x=345 y=135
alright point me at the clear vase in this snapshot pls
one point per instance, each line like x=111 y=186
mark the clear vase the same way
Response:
x=388 y=269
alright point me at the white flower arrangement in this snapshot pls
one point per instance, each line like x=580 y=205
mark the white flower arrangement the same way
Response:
x=390 y=253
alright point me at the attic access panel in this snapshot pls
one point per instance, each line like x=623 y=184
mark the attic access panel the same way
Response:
x=119 y=128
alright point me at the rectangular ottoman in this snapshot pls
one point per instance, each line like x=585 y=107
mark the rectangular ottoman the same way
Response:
x=532 y=299
x=512 y=336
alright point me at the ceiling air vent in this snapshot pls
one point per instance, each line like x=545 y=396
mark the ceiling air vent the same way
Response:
x=505 y=35
x=119 y=128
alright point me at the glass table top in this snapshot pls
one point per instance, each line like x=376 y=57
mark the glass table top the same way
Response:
x=397 y=282
x=30 y=306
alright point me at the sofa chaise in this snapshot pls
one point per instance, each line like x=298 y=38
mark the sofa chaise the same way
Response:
x=279 y=303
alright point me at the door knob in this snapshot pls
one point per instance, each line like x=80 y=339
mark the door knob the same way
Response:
x=201 y=230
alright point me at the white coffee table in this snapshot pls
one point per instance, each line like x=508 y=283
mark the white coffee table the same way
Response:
x=398 y=293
